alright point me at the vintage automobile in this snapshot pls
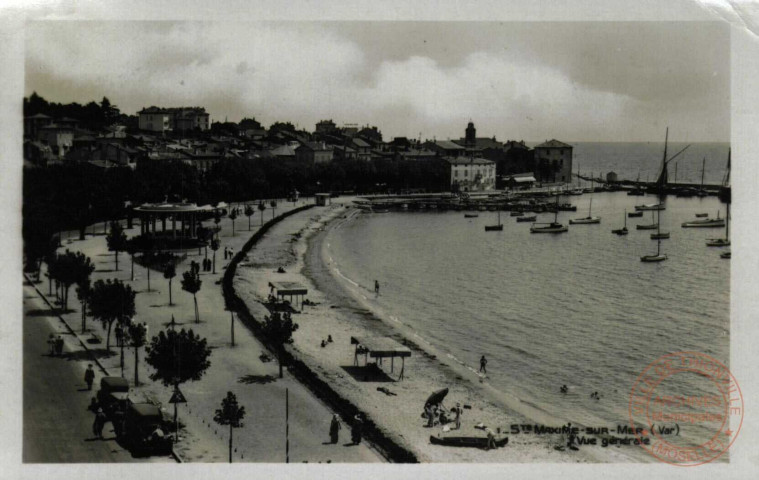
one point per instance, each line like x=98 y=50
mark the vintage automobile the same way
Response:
x=113 y=395
x=141 y=430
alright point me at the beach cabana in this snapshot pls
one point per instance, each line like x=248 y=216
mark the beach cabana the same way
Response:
x=379 y=348
x=289 y=289
x=322 y=199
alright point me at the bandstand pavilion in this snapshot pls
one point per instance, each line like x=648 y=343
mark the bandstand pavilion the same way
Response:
x=181 y=215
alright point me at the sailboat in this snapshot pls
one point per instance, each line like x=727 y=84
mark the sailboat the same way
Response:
x=706 y=223
x=651 y=226
x=650 y=206
x=701 y=192
x=589 y=219
x=623 y=230
x=659 y=235
x=637 y=191
x=553 y=227
x=492 y=228
x=659 y=257
x=722 y=242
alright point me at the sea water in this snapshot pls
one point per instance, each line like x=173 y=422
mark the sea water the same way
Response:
x=578 y=308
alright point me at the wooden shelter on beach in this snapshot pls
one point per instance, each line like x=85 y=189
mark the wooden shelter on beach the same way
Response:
x=379 y=348
x=290 y=290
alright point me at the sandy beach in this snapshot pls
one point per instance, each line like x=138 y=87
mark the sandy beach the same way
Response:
x=344 y=309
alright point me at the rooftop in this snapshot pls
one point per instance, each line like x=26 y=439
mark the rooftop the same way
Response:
x=553 y=143
x=469 y=161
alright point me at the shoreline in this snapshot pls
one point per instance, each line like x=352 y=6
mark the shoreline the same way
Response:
x=343 y=307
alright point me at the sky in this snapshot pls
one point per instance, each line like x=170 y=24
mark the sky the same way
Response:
x=575 y=81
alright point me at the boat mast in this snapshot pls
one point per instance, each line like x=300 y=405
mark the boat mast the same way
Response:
x=703 y=166
x=658 y=233
x=727 y=223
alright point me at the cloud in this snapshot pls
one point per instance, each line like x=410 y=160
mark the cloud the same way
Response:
x=304 y=72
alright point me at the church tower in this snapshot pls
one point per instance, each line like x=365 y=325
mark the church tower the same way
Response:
x=471 y=135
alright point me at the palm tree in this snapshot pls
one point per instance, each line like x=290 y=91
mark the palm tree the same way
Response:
x=169 y=272
x=262 y=207
x=233 y=216
x=138 y=334
x=191 y=284
x=214 y=246
x=117 y=241
x=110 y=301
x=230 y=414
x=248 y=213
x=279 y=328
x=274 y=208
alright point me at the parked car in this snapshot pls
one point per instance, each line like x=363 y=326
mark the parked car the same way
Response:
x=142 y=430
x=113 y=395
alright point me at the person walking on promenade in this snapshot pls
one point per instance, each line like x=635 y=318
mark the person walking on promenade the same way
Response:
x=51 y=343
x=89 y=376
x=357 y=429
x=483 y=364
x=334 y=428
x=119 y=335
x=98 y=424
x=59 y=346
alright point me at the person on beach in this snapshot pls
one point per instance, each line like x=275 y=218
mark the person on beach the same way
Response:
x=483 y=364
x=59 y=346
x=51 y=343
x=89 y=376
x=356 y=431
x=376 y=287
x=334 y=428
x=430 y=416
x=457 y=411
x=491 y=439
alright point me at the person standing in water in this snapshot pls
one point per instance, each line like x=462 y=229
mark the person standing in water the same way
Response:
x=376 y=287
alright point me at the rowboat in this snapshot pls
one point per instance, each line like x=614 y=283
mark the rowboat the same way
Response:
x=475 y=442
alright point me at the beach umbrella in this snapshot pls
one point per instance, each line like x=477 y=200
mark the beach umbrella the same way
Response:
x=437 y=397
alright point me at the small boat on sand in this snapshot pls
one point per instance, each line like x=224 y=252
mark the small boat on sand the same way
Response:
x=476 y=442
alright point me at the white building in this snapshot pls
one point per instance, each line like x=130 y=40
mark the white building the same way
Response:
x=470 y=174
x=180 y=119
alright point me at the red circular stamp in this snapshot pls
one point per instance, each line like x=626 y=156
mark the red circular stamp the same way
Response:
x=688 y=406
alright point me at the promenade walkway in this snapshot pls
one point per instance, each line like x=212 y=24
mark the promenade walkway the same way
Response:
x=237 y=369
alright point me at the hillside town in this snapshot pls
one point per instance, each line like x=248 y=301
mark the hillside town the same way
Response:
x=188 y=135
